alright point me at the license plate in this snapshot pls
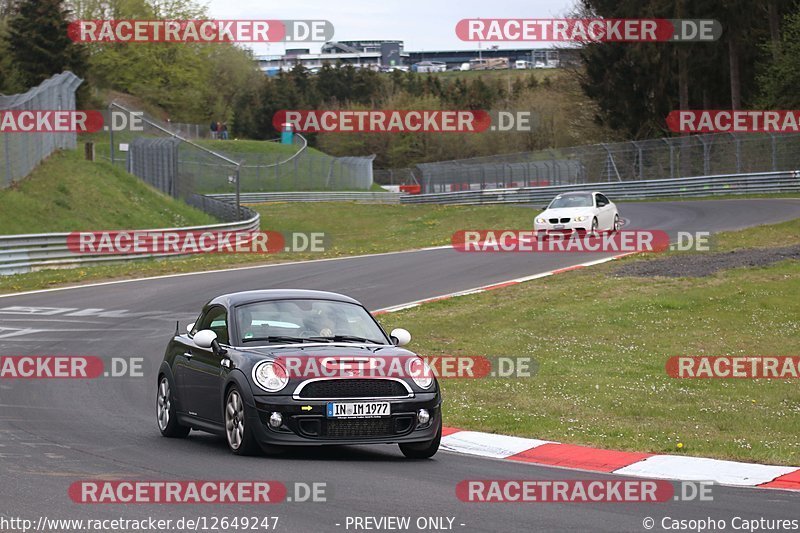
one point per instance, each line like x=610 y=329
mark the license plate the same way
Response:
x=358 y=409
x=558 y=226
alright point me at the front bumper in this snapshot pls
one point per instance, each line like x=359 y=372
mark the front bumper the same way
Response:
x=566 y=228
x=305 y=422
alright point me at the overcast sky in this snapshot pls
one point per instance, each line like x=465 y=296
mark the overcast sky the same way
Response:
x=422 y=24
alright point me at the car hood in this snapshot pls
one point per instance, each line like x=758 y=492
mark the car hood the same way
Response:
x=566 y=212
x=333 y=361
x=330 y=350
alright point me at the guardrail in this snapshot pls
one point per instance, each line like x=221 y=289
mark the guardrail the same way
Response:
x=29 y=253
x=263 y=197
x=758 y=183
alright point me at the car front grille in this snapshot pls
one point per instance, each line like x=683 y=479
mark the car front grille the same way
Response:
x=359 y=427
x=556 y=221
x=353 y=388
x=347 y=428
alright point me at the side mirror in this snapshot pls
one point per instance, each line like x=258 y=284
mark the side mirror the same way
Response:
x=208 y=339
x=190 y=327
x=400 y=336
x=205 y=338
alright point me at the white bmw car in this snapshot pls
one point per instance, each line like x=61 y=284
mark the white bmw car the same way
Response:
x=578 y=212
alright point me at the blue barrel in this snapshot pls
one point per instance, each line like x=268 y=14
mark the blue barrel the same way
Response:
x=287 y=133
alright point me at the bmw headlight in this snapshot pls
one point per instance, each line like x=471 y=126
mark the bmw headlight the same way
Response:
x=540 y=220
x=580 y=219
x=270 y=376
x=422 y=374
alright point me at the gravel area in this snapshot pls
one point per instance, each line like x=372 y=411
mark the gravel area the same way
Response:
x=706 y=264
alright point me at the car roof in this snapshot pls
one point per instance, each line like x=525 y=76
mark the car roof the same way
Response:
x=578 y=193
x=243 y=297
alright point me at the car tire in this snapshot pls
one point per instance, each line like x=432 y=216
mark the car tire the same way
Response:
x=593 y=231
x=165 y=412
x=616 y=227
x=423 y=450
x=238 y=433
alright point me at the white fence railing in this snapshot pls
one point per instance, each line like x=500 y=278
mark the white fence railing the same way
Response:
x=327 y=196
x=29 y=253
x=733 y=184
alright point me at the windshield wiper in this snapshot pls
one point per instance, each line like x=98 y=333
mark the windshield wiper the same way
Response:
x=276 y=338
x=339 y=338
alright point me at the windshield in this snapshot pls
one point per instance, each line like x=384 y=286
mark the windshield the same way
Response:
x=287 y=321
x=572 y=200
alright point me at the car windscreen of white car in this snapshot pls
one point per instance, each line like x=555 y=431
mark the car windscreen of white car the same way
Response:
x=572 y=200
x=307 y=320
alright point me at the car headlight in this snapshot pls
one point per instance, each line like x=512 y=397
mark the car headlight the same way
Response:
x=540 y=220
x=580 y=219
x=270 y=376
x=422 y=375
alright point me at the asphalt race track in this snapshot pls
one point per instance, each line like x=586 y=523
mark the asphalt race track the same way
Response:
x=54 y=432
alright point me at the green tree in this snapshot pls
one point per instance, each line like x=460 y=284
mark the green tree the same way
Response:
x=7 y=84
x=38 y=42
x=779 y=81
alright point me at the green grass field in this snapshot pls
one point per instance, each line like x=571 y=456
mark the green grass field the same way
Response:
x=353 y=229
x=601 y=343
x=68 y=193
x=512 y=74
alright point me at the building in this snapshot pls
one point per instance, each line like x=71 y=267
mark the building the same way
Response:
x=362 y=54
x=541 y=57
x=377 y=54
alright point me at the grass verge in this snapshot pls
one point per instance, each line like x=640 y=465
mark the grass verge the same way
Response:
x=68 y=193
x=353 y=229
x=601 y=343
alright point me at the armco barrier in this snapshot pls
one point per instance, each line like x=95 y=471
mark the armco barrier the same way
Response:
x=29 y=253
x=263 y=197
x=759 y=183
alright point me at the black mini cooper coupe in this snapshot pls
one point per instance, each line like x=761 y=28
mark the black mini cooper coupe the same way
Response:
x=274 y=368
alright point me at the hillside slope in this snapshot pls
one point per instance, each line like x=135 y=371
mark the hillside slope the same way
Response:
x=68 y=193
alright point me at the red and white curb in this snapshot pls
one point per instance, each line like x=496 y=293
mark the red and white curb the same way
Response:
x=494 y=286
x=634 y=464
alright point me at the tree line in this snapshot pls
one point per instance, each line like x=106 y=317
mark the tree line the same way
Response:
x=754 y=65
x=185 y=82
x=616 y=91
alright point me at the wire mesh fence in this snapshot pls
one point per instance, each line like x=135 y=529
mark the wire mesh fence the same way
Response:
x=20 y=152
x=197 y=168
x=665 y=158
x=395 y=176
x=189 y=131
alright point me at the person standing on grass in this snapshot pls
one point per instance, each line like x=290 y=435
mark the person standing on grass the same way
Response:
x=224 y=131
x=213 y=130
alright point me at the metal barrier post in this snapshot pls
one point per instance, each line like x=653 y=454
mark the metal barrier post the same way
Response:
x=111 y=138
x=9 y=178
x=238 y=194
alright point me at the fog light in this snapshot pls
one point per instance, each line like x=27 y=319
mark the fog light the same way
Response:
x=275 y=420
x=423 y=417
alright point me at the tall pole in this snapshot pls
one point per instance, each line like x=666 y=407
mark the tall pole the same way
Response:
x=238 y=194
x=111 y=135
